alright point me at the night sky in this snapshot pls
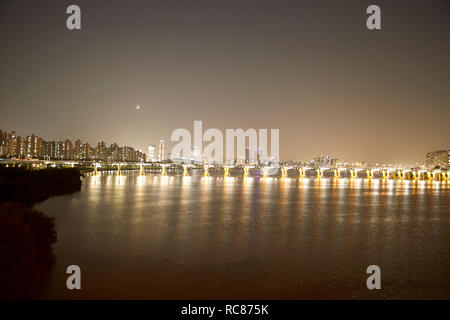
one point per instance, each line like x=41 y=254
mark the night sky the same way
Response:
x=310 y=68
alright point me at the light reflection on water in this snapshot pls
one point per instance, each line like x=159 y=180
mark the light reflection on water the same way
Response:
x=158 y=236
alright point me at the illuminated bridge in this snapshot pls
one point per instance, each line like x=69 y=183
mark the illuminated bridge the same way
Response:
x=236 y=170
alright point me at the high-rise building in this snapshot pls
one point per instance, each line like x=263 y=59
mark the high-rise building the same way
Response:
x=12 y=142
x=247 y=155
x=322 y=161
x=3 y=143
x=86 y=151
x=77 y=152
x=59 y=150
x=439 y=158
x=68 y=150
x=151 y=154
x=52 y=150
x=161 y=150
x=46 y=150
x=258 y=152
x=20 y=147
x=101 y=151
x=33 y=147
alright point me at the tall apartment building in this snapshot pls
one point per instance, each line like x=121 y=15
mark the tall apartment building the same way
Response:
x=68 y=150
x=151 y=154
x=161 y=150
x=3 y=143
x=34 y=147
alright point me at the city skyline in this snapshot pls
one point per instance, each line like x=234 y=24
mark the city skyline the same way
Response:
x=34 y=146
x=247 y=65
x=13 y=145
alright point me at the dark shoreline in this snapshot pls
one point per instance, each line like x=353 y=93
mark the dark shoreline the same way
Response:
x=26 y=234
x=33 y=186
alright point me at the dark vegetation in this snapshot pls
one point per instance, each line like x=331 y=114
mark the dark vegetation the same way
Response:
x=26 y=238
x=27 y=235
x=32 y=186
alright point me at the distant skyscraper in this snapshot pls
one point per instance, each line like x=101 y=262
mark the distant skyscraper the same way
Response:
x=247 y=155
x=258 y=152
x=439 y=158
x=151 y=154
x=161 y=150
x=322 y=161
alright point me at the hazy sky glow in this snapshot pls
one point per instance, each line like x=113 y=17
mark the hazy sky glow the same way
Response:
x=309 y=68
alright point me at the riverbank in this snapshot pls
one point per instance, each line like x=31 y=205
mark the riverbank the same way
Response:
x=27 y=235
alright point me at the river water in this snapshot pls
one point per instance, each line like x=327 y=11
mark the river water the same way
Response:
x=163 y=237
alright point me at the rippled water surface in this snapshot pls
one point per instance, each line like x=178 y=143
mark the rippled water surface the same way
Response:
x=211 y=237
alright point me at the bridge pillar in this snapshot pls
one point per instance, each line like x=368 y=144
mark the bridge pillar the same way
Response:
x=336 y=173
x=205 y=171
x=319 y=173
x=391 y=175
x=264 y=172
